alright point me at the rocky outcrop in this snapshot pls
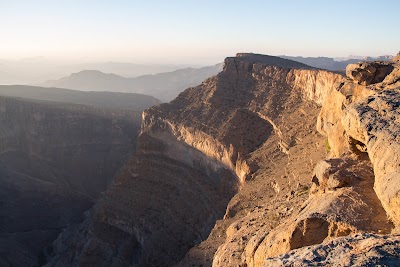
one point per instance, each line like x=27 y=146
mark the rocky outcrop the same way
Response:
x=397 y=58
x=354 y=250
x=223 y=175
x=194 y=154
x=362 y=117
x=360 y=121
x=338 y=185
x=55 y=159
x=369 y=72
x=373 y=123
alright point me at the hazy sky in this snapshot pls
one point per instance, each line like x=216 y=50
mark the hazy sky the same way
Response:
x=189 y=31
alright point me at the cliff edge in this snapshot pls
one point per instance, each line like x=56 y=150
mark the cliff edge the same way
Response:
x=233 y=172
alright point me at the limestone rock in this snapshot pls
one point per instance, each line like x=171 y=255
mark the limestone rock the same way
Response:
x=339 y=184
x=368 y=72
x=397 y=58
x=194 y=154
x=363 y=119
x=354 y=250
x=55 y=158
x=332 y=174
x=351 y=91
x=231 y=162
x=375 y=123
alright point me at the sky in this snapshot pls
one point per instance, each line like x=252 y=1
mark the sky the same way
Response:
x=195 y=32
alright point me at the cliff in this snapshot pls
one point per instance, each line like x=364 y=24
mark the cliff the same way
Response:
x=237 y=133
x=70 y=142
x=358 y=184
x=55 y=159
x=233 y=172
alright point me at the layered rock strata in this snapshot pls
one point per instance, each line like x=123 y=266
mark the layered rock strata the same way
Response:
x=194 y=154
x=367 y=122
x=55 y=159
x=223 y=175
x=354 y=193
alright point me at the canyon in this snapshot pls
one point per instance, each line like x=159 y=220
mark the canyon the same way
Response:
x=269 y=163
x=56 y=158
x=261 y=159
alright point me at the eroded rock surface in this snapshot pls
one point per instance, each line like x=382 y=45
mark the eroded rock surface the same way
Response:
x=194 y=154
x=55 y=159
x=364 y=119
x=342 y=202
x=224 y=173
x=353 y=250
x=360 y=119
x=397 y=58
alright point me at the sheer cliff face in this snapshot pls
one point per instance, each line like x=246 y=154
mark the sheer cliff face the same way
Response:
x=237 y=132
x=54 y=160
x=73 y=145
x=361 y=177
x=361 y=117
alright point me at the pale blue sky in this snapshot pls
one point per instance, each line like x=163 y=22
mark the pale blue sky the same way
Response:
x=196 y=32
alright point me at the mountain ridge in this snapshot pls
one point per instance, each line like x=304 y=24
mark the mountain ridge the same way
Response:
x=116 y=100
x=244 y=102
x=333 y=64
x=164 y=86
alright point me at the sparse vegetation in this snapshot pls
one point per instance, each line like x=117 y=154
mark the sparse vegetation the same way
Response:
x=327 y=146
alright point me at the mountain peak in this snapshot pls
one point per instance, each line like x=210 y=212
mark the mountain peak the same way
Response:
x=92 y=73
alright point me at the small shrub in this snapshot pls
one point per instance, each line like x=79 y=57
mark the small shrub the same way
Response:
x=327 y=146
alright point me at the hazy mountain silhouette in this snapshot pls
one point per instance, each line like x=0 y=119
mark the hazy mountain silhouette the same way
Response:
x=36 y=70
x=335 y=64
x=111 y=100
x=164 y=86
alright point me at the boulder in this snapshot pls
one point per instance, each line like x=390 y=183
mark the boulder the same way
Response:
x=366 y=73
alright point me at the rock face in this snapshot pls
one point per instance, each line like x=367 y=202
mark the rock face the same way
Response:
x=66 y=143
x=55 y=159
x=354 y=250
x=338 y=185
x=367 y=122
x=397 y=58
x=194 y=154
x=360 y=119
x=234 y=173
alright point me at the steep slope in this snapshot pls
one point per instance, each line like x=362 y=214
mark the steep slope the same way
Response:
x=66 y=142
x=360 y=120
x=234 y=173
x=55 y=160
x=165 y=86
x=238 y=132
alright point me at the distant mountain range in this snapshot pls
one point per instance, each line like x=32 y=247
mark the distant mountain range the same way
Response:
x=164 y=86
x=334 y=64
x=106 y=100
x=36 y=70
